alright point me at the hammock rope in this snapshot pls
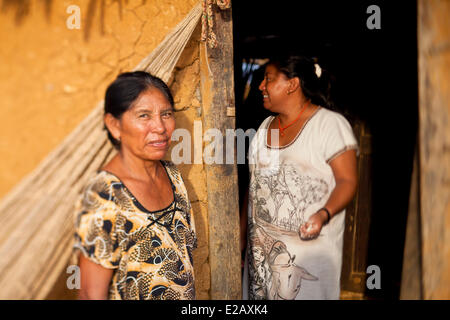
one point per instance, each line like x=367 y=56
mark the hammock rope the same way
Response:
x=36 y=216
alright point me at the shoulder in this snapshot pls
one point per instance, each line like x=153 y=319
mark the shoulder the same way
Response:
x=169 y=164
x=328 y=115
x=171 y=168
x=264 y=126
x=177 y=180
x=98 y=202
x=266 y=122
x=330 y=120
x=100 y=188
x=173 y=172
x=102 y=181
x=259 y=136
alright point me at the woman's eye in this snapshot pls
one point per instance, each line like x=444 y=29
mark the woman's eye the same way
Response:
x=143 y=116
x=167 y=114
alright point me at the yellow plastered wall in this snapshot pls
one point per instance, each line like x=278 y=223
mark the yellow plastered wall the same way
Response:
x=51 y=77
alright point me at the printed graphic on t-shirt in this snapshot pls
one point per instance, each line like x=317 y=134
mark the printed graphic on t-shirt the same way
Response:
x=283 y=194
x=273 y=273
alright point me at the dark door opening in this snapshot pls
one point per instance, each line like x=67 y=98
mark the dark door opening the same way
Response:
x=375 y=89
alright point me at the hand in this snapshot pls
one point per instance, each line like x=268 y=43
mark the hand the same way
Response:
x=311 y=229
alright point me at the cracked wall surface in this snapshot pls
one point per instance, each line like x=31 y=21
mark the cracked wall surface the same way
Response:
x=185 y=85
x=51 y=77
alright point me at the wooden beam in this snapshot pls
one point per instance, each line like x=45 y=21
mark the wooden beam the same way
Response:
x=217 y=88
x=434 y=130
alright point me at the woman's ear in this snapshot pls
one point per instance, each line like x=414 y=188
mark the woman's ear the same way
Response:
x=294 y=84
x=113 y=125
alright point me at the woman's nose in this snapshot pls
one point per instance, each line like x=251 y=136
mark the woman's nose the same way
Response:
x=262 y=85
x=158 y=125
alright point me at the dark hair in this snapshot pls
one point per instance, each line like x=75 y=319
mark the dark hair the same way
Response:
x=317 y=89
x=127 y=87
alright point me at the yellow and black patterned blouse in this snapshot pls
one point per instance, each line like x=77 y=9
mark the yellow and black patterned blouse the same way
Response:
x=151 y=251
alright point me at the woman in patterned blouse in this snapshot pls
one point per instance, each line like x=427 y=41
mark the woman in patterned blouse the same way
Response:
x=134 y=225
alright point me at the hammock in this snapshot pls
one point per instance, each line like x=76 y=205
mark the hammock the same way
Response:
x=36 y=217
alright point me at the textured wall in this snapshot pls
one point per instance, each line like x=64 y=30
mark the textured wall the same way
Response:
x=51 y=77
x=188 y=99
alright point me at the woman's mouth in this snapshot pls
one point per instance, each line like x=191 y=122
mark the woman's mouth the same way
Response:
x=159 y=143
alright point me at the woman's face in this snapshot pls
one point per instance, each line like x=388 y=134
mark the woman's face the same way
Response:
x=146 y=128
x=274 y=88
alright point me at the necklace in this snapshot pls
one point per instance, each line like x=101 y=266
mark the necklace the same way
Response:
x=290 y=124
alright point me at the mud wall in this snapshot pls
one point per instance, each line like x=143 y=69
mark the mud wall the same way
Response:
x=52 y=76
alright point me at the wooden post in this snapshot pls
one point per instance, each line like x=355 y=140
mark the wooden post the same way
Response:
x=217 y=87
x=434 y=130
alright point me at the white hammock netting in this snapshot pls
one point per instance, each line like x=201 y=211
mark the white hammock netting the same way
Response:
x=36 y=217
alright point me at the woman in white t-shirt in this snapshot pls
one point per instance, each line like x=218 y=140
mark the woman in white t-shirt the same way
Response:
x=302 y=176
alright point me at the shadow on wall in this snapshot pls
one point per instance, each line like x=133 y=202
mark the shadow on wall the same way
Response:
x=23 y=9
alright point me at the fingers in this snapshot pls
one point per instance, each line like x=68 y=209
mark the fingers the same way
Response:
x=308 y=237
x=309 y=231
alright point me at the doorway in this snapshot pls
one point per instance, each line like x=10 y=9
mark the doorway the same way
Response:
x=375 y=88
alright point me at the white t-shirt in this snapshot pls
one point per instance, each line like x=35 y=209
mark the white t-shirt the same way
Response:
x=287 y=185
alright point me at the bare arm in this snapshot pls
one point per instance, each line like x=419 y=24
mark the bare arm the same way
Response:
x=345 y=174
x=95 y=280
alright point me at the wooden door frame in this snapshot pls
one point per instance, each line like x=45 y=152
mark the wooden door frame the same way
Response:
x=434 y=150
x=217 y=89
